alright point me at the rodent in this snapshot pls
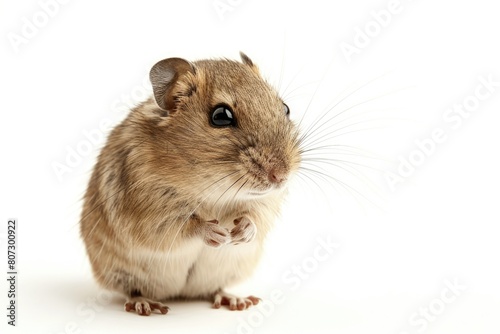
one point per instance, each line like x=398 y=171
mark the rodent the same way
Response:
x=189 y=184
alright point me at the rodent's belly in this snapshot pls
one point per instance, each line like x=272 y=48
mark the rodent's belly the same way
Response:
x=197 y=270
x=217 y=268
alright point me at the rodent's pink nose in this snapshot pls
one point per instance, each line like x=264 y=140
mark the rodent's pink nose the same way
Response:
x=276 y=176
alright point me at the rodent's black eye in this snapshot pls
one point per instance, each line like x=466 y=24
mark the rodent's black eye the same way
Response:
x=222 y=115
x=286 y=109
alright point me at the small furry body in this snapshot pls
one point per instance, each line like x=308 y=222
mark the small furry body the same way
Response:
x=189 y=184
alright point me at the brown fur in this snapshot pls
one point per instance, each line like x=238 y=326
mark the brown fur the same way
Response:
x=165 y=172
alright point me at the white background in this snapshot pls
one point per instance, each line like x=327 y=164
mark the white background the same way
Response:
x=397 y=247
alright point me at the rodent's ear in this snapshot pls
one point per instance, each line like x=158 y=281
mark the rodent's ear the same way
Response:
x=163 y=76
x=247 y=61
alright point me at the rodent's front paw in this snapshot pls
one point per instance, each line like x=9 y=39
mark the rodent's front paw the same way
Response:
x=216 y=235
x=244 y=231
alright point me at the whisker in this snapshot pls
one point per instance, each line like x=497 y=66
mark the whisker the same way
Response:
x=284 y=92
x=311 y=127
x=325 y=137
x=225 y=191
x=351 y=108
x=192 y=212
x=314 y=94
x=288 y=95
x=322 y=127
x=343 y=184
x=330 y=161
x=311 y=179
x=354 y=172
x=282 y=68
x=318 y=153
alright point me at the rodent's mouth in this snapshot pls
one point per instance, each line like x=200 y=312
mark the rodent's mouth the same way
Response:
x=263 y=192
x=260 y=193
x=263 y=186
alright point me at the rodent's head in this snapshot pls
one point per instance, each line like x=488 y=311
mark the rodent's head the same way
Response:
x=227 y=129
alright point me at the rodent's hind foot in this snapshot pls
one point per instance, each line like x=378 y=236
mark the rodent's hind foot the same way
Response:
x=143 y=306
x=234 y=303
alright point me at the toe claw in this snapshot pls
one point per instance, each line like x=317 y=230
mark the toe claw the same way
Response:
x=145 y=307
x=243 y=305
x=244 y=230
x=215 y=235
x=234 y=303
x=254 y=300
